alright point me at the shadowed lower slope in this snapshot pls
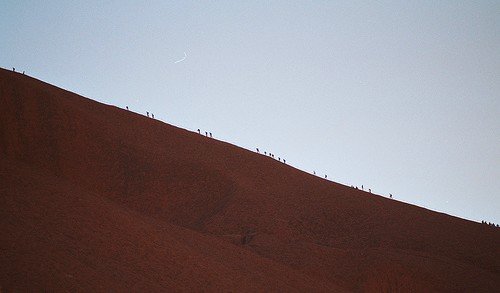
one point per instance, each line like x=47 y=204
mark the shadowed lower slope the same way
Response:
x=140 y=204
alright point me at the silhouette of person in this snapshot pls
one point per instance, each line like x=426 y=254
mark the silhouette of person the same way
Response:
x=23 y=72
x=258 y=150
x=199 y=131
x=265 y=153
x=314 y=172
x=210 y=134
x=370 y=190
x=284 y=161
x=152 y=115
x=390 y=195
x=279 y=159
x=14 y=69
x=206 y=133
x=362 y=187
x=126 y=107
x=326 y=176
x=147 y=113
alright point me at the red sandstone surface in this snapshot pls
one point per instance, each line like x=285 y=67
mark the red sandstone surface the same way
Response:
x=97 y=198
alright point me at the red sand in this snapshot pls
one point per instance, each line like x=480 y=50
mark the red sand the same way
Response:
x=96 y=198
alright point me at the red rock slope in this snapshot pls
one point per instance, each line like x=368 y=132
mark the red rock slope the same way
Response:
x=96 y=198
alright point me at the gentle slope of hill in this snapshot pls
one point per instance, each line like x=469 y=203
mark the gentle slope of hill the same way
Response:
x=94 y=197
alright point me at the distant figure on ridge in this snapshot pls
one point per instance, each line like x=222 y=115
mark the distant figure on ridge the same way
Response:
x=258 y=150
x=126 y=107
x=152 y=115
x=326 y=176
x=199 y=131
x=210 y=135
x=390 y=195
x=284 y=161
x=369 y=190
x=265 y=153
x=14 y=69
x=206 y=133
x=23 y=72
x=147 y=113
x=362 y=187
x=314 y=172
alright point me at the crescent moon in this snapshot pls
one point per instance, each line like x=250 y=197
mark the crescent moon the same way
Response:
x=183 y=58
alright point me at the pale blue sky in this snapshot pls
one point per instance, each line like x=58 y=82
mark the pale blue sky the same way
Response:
x=402 y=97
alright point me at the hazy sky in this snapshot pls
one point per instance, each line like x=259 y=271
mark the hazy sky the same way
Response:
x=402 y=97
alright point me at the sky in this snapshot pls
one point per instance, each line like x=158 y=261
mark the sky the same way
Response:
x=401 y=97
